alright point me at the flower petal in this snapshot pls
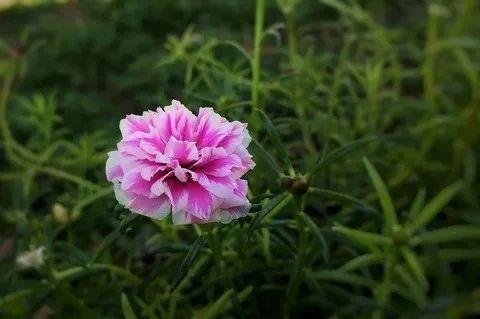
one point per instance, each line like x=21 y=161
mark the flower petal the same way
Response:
x=200 y=202
x=210 y=128
x=134 y=183
x=182 y=151
x=113 y=167
x=216 y=162
x=134 y=126
x=157 y=208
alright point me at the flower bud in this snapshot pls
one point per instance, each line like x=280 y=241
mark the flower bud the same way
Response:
x=31 y=259
x=60 y=213
x=299 y=185
x=438 y=10
x=286 y=182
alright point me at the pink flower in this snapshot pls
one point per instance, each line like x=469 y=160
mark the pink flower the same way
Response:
x=172 y=160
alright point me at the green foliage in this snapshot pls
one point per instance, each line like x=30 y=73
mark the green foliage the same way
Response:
x=127 y=308
x=322 y=84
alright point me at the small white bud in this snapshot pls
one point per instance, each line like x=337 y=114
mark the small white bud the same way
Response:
x=31 y=259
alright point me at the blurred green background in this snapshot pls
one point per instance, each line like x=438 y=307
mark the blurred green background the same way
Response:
x=365 y=194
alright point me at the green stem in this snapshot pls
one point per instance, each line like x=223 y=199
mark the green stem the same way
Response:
x=385 y=290
x=291 y=40
x=7 y=86
x=332 y=100
x=430 y=57
x=67 y=176
x=258 y=35
x=77 y=210
x=298 y=272
x=78 y=270
x=11 y=145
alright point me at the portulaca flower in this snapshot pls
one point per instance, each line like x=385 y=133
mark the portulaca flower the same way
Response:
x=171 y=160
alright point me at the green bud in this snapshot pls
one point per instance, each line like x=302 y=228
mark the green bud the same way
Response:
x=60 y=213
x=299 y=185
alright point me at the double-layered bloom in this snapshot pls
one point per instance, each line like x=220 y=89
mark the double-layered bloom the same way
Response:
x=171 y=160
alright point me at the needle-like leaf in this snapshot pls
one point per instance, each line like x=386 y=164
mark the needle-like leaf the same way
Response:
x=385 y=200
x=435 y=206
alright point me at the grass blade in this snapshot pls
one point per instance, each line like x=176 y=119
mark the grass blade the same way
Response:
x=435 y=206
x=277 y=141
x=224 y=303
x=188 y=261
x=262 y=155
x=361 y=261
x=343 y=197
x=318 y=234
x=271 y=205
x=385 y=200
x=365 y=238
x=458 y=254
x=127 y=308
x=417 y=292
x=448 y=234
x=417 y=204
x=339 y=153
x=341 y=277
x=415 y=266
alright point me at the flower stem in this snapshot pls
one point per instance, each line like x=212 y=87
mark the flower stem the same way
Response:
x=11 y=145
x=297 y=272
x=258 y=35
x=430 y=59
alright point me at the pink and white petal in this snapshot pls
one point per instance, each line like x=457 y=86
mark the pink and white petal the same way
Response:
x=238 y=197
x=223 y=166
x=208 y=154
x=158 y=188
x=181 y=218
x=183 y=151
x=246 y=137
x=120 y=194
x=162 y=159
x=211 y=128
x=225 y=216
x=152 y=146
x=216 y=162
x=222 y=187
x=132 y=148
x=237 y=136
x=242 y=187
x=181 y=174
x=200 y=202
x=176 y=192
x=236 y=206
x=157 y=208
x=134 y=126
x=134 y=183
x=132 y=163
x=184 y=218
x=182 y=121
x=113 y=168
x=247 y=162
x=162 y=127
x=148 y=171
